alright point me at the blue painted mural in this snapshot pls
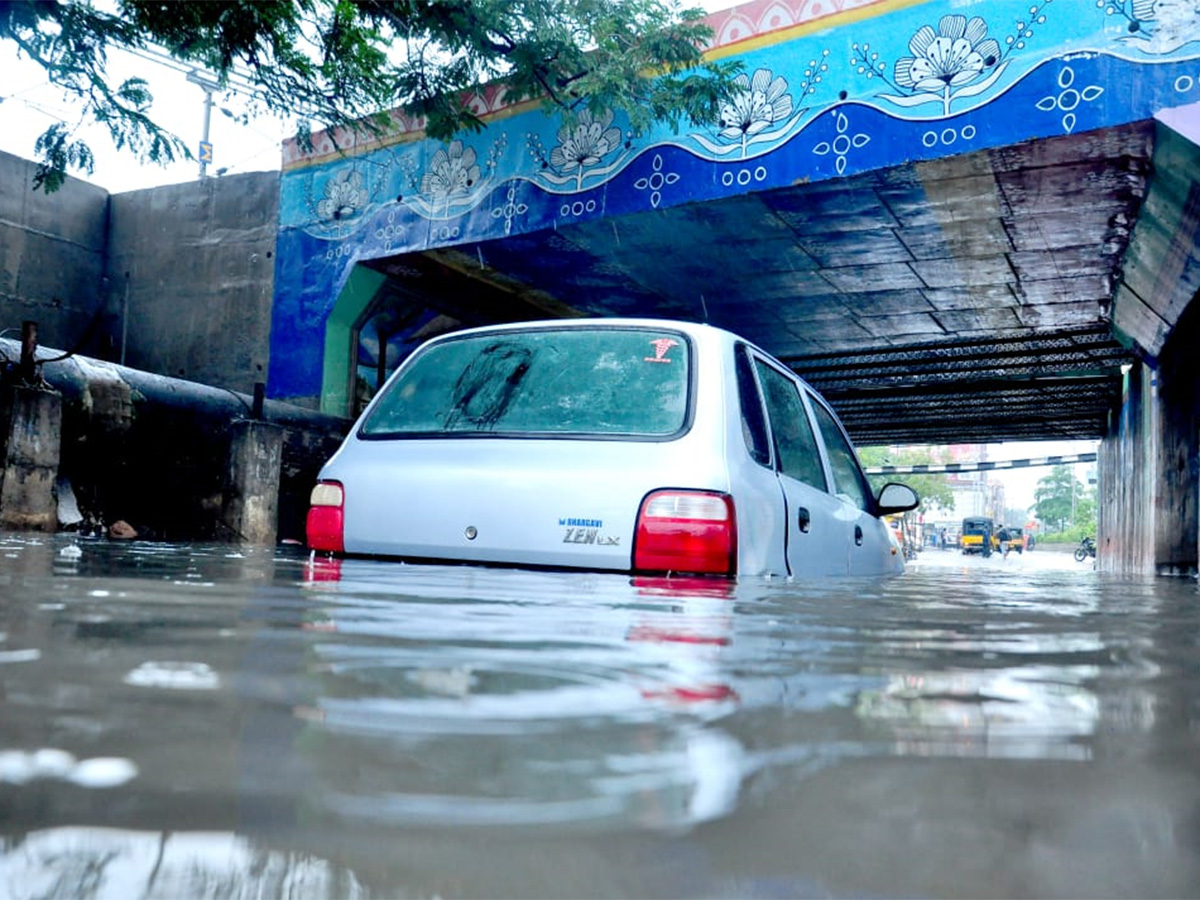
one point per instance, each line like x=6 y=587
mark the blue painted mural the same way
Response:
x=877 y=84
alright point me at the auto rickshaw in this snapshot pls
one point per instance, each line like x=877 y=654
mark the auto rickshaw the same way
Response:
x=1016 y=540
x=977 y=535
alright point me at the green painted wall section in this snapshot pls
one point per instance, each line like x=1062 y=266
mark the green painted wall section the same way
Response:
x=338 y=370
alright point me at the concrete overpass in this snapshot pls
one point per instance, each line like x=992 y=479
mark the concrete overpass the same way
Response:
x=960 y=221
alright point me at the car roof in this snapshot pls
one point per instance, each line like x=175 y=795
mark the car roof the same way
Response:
x=695 y=328
x=699 y=330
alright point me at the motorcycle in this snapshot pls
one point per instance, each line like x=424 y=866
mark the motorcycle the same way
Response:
x=1086 y=548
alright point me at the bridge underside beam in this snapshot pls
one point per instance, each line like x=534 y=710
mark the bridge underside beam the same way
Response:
x=958 y=300
x=1084 y=350
x=1060 y=385
x=980 y=412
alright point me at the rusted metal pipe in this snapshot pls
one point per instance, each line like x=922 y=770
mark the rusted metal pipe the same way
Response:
x=27 y=371
x=153 y=450
x=260 y=393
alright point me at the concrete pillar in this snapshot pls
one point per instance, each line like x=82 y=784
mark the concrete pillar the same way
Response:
x=31 y=427
x=1178 y=487
x=1127 y=515
x=1177 y=503
x=252 y=502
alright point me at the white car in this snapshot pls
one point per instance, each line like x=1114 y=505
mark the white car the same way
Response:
x=627 y=445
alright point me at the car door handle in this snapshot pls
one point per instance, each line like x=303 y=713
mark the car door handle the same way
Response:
x=803 y=519
x=857 y=535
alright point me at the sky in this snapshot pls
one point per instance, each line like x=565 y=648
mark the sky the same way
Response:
x=1020 y=485
x=28 y=105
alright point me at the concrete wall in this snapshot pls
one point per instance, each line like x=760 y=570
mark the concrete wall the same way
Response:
x=52 y=257
x=176 y=283
x=191 y=273
x=175 y=280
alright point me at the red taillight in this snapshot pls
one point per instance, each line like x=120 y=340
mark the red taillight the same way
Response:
x=686 y=531
x=326 y=518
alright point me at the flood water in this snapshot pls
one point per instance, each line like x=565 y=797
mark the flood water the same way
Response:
x=205 y=721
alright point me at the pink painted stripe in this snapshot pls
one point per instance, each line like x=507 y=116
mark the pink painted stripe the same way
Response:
x=759 y=17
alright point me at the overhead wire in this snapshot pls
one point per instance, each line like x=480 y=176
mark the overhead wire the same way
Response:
x=238 y=79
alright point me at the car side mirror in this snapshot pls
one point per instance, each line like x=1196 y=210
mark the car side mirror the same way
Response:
x=895 y=498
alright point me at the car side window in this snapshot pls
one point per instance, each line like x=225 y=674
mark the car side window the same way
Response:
x=795 y=444
x=754 y=422
x=848 y=479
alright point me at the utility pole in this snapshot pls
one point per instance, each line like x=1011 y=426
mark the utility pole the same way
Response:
x=1072 y=495
x=208 y=86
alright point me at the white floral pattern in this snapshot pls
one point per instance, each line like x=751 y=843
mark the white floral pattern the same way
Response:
x=585 y=144
x=344 y=197
x=944 y=66
x=1173 y=23
x=1069 y=98
x=656 y=181
x=843 y=143
x=452 y=173
x=761 y=101
x=958 y=54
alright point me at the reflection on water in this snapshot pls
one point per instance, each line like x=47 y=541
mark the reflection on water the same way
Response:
x=205 y=721
x=97 y=862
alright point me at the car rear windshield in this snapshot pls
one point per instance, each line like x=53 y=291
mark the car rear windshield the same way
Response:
x=568 y=382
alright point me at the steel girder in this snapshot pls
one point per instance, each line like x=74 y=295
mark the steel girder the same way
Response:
x=1062 y=385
